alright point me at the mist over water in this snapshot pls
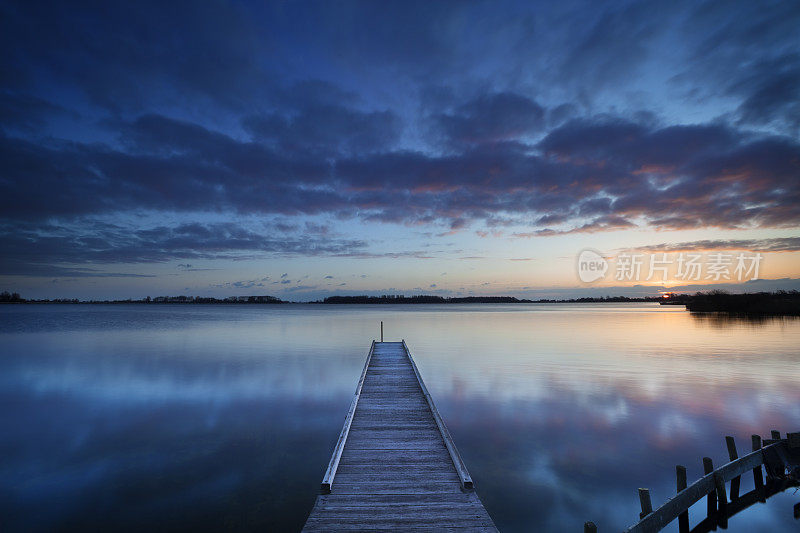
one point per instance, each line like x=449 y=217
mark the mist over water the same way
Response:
x=132 y=417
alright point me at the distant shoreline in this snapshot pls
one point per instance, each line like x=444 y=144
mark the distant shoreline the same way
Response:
x=781 y=303
x=332 y=300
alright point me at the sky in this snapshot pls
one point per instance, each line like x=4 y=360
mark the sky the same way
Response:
x=305 y=149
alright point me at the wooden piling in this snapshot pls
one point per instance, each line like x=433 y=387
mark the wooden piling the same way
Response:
x=683 y=518
x=711 y=499
x=722 y=502
x=733 y=455
x=776 y=435
x=589 y=527
x=644 y=500
x=758 y=477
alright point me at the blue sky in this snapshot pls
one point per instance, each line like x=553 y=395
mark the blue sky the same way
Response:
x=302 y=149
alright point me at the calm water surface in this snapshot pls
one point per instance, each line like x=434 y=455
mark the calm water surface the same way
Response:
x=224 y=417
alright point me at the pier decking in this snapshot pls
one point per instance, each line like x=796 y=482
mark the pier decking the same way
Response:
x=395 y=465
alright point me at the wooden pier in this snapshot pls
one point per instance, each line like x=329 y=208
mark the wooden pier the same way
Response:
x=395 y=465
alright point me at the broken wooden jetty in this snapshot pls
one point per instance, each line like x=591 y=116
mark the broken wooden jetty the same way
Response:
x=395 y=465
x=780 y=459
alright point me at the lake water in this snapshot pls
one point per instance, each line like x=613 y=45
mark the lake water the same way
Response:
x=161 y=417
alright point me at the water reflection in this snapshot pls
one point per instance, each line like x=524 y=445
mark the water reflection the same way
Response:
x=216 y=417
x=726 y=320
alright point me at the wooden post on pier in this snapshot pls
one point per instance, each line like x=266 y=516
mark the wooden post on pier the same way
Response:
x=733 y=455
x=683 y=518
x=711 y=499
x=722 y=501
x=776 y=435
x=381 y=330
x=644 y=500
x=758 y=478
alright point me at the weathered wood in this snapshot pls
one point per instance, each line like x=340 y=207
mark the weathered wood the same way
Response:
x=351 y=456
x=379 y=500
x=644 y=500
x=733 y=455
x=776 y=435
x=722 y=502
x=711 y=499
x=683 y=518
x=397 y=467
x=388 y=469
x=370 y=522
x=758 y=477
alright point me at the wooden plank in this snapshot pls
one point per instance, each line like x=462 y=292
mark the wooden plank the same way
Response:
x=396 y=477
x=398 y=424
x=433 y=515
x=405 y=509
x=375 y=524
x=327 y=527
x=379 y=500
x=413 y=488
x=403 y=435
x=382 y=468
x=396 y=456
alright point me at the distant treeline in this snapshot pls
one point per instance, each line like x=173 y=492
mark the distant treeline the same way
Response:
x=419 y=299
x=10 y=297
x=758 y=303
x=5 y=297
x=430 y=299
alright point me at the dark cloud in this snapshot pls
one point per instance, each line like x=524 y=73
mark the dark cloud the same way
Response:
x=771 y=91
x=25 y=112
x=33 y=251
x=326 y=130
x=130 y=57
x=492 y=118
x=778 y=244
